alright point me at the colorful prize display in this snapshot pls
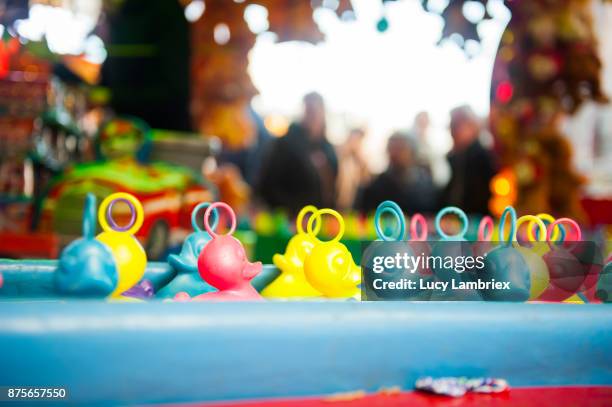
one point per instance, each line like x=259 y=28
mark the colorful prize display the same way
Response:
x=539 y=258
x=129 y=256
x=322 y=203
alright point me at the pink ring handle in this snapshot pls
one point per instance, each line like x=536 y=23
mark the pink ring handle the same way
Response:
x=551 y=228
x=416 y=219
x=230 y=211
x=482 y=228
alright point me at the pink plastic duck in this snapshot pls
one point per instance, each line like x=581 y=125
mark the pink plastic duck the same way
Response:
x=224 y=265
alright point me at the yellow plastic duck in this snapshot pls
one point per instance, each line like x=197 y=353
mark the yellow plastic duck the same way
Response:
x=540 y=278
x=130 y=257
x=291 y=283
x=538 y=271
x=330 y=267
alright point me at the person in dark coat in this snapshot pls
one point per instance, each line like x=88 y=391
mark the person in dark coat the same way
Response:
x=472 y=165
x=404 y=181
x=300 y=168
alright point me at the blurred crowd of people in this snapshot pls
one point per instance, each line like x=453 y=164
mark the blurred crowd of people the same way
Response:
x=303 y=167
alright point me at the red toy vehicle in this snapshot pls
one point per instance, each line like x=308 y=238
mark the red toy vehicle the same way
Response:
x=167 y=192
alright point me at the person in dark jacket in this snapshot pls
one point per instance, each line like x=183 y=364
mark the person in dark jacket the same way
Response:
x=300 y=168
x=404 y=181
x=472 y=165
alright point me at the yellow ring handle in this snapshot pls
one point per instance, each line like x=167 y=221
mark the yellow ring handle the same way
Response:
x=300 y=219
x=545 y=217
x=131 y=199
x=532 y=219
x=318 y=214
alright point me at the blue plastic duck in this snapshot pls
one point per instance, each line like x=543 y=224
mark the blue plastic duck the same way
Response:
x=86 y=266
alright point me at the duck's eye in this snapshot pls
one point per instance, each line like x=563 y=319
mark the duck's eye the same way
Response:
x=306 y=250
x=240 y=253
x=308 y=247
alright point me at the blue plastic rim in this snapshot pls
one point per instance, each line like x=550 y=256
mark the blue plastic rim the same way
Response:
x=449 y=339
x=462 y=217
x=194 y=216
x=502 y=222
x=394 y=209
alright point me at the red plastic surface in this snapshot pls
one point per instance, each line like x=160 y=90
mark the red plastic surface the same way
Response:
x=29 y=245
x=598 y=211
x=523 y=397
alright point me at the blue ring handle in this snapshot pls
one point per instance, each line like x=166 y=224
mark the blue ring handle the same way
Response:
x=502 y=221
x=194 y=216
x=89 y=216
x=396 y=211
x=561 y=230
x=462 y=216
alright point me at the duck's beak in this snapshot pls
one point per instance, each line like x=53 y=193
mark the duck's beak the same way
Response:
x=250 y=270
x=282 y=263
x=180 y=265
